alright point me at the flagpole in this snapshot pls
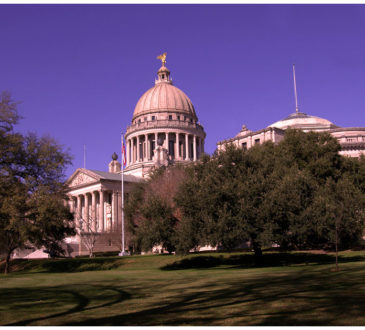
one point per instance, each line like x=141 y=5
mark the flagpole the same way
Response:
x=122 y=253
x=295 y=91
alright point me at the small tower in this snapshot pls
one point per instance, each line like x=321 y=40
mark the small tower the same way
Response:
x=114 y=165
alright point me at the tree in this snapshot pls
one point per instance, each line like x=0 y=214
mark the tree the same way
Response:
x=151 y=211
x=88 y=231
x=265 y=194
x=336 y=215
x=31 y=187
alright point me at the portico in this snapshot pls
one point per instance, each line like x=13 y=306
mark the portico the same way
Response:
x=95 y=199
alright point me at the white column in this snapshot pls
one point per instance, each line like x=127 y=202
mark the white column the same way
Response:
x=93 y=211
x=166 y=141
x=194 y=147
x=127 y=148
x=86 y=212
x=138 y=159
x=101 y=211
x=112 y=219
x=79 y=208
x=200 y=148
x=72 y=204
x=131 y=153
x=145 y=149
x=186 y=146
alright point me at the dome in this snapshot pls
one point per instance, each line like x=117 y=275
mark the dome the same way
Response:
x=300 y=120
x=164 y=96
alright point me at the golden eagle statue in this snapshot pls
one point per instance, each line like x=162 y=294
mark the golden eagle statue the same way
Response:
x=162 y=58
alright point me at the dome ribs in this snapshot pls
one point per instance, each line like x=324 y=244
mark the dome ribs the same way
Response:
x=154 y=99
x=164 y=96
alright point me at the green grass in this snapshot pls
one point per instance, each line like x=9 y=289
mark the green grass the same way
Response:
x=204 y=289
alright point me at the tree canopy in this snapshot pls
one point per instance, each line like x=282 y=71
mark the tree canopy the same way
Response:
x=291 y=194
x=32 y=190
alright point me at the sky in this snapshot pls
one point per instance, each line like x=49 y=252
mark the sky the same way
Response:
x=79 y=70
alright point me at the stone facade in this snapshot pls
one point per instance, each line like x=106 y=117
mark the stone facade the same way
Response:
x=351 y=139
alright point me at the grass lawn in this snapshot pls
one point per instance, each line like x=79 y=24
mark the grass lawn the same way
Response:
x=204 y=289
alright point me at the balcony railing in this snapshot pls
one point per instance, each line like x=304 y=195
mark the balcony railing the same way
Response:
x=163 y=123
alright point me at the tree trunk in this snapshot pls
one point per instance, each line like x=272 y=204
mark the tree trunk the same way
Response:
x=257 y=253
x=336 y=247
x=7 y=263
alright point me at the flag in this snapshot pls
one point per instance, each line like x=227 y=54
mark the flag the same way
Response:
x=124 y=162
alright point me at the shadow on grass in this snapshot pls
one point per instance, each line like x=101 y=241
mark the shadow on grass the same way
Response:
x=315 y=296
x=67 y=265
x=310 y=298
x=247 y=260
x=79 y=298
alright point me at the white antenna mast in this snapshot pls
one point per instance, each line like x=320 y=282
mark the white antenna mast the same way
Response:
x=295 y=91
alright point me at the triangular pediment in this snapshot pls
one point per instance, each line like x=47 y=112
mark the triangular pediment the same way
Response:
x=82 y=177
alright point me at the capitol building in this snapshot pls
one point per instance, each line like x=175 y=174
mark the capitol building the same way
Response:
x=165 y=130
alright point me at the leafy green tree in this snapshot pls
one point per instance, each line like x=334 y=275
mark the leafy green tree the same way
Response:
x=336 y=215
x=31 y=187
x=264 y=195
x=151 y=211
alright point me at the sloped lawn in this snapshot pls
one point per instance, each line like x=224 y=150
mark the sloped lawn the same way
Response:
x=204 y=289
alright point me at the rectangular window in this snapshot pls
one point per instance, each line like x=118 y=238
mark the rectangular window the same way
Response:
x=145 y=119
x=244 y=145
x=178 y=117
x=139 y=121
x=184 y=118
x=170 y=117
x=257 y=141
x=153 y=117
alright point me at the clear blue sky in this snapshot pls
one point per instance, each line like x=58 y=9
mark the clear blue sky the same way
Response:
x=79 y=70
